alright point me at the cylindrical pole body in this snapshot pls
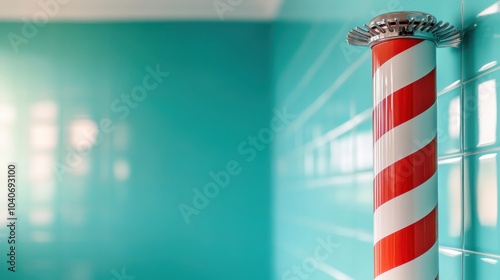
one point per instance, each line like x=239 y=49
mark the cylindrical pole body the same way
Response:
x=405 y=160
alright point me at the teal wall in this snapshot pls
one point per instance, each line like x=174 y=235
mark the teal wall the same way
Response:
x=323 y=164
x=103 y=177
x=112 y=202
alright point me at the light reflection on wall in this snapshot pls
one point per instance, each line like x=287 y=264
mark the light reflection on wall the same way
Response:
x=493 y=9
x=7 y=114
x=454 y=196
x=489 y=260
x=43 y=135
x=41 y=167
x=487 y=192
x=41 y=217
x=7 y=120
x=449 y=252
x=320 y=152
x=454 y=118
x=6 y=140
x=121 y=170
x=44 y=111
x=7 y=124
x=342 y=151
x=487 y=112
x=83 y=135
x=364 y=150
x=487 y=66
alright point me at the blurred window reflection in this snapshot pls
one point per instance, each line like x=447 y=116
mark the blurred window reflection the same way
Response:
x=43 y=136
x=43 y=139
x=364 y=152
x=487 y=191
x=82 y=134
x=487 y=110
x=454 y=117
x=455 y=201
x=7 y=114
x=342 y=151
x=121 y=170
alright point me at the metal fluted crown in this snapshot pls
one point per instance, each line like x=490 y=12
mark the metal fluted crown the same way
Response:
x=405 y=24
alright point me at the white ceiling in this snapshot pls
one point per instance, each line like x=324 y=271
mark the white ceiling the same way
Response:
x=106 y=10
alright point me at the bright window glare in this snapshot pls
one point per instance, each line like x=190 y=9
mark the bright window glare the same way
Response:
x=7 y=114
x=487 y=192
x=487 y=111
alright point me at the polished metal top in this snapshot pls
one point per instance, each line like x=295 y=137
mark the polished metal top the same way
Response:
x=405 y=24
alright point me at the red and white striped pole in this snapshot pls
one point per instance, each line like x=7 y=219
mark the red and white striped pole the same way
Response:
x=405 y=141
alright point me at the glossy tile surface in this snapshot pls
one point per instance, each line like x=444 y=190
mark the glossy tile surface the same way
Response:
x=450 y=202
x=327 y=150
x=482 y=224
x=449 y=122
x=450 y=264
x=480 y=113
x=478 y=266
x=481 y=40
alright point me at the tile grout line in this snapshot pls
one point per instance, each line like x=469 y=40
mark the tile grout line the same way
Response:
x=488 y=150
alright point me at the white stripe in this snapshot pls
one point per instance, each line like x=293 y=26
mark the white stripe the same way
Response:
x=405 y=209
x=425 y=267
x=403 y=69
x=404 y=139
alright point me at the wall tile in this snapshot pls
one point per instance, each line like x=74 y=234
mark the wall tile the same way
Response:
x=450 y=264
x=481 y=197
x=449 y=122
x=481 y=267
x=481 y=41
x=480 y=113
x=450 y=202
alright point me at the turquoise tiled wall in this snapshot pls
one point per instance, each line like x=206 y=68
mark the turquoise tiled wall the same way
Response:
x=115 y=213
x=323 y=163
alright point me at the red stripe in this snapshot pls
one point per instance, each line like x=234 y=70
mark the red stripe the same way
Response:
x=405 y=175
x=404 y=104
x=384 y=51
x=406 y=244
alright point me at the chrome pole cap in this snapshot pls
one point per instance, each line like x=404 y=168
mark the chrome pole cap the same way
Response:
x=405 y=25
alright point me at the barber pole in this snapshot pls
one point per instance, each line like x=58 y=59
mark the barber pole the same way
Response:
x=405 y=141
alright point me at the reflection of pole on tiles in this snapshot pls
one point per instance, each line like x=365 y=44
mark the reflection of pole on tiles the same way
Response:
x=405 y=140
